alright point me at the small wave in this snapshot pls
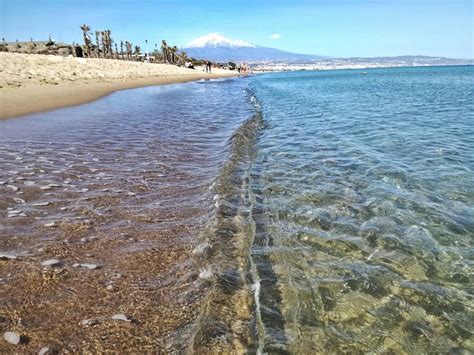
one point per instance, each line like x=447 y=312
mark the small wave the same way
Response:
x=229 y=314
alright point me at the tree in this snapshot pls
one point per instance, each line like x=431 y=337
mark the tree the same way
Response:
x=103 y=44
x=165 y=50
x=128 y=47
x=173 y=54
x=87 y=40
x=137 y=53
x=97 y=48
x=182 y=58
x=108 y=43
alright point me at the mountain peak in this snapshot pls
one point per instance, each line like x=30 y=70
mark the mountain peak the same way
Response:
x=215 y=39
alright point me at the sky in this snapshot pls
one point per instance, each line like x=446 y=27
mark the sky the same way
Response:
x=338 y=28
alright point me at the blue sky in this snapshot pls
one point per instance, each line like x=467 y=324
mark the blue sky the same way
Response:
x=340 y=28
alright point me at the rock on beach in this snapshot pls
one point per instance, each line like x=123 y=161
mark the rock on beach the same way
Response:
x=12 y=337
x=51 y=263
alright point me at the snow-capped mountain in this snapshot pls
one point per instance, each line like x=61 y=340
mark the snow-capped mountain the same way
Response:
x=217 y=40
x=216 y=47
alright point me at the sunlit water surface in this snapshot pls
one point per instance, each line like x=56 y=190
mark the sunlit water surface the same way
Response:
x=366 y=186
x=332 y=211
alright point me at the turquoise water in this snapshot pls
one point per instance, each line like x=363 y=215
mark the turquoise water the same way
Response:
x=365 y=187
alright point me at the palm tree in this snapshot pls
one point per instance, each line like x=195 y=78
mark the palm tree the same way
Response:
x=184 y=57
x=102 y=43
x=165 y=50
x=97 y=48
x=128 y=46
x=173 y=54
x=137 y=52
x=87 y=40
x=108 y=43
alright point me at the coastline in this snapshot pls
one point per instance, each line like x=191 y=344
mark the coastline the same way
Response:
x=36 y=98
x=120 y=205
x=32 y=83
x=270 y=70
x=109 y=255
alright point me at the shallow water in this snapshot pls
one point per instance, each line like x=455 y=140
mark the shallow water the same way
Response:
x=367 y=209
x=146 y=147
x=327 y=211
x=126 y=183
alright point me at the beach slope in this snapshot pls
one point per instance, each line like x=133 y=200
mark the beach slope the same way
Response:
x=32 y=83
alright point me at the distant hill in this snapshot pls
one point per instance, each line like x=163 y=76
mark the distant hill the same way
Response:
x=360 y=63
x=411 y=60
x=219 y=48
x=216 y=47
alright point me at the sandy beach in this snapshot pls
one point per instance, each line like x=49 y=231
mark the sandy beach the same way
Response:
x=32 y=83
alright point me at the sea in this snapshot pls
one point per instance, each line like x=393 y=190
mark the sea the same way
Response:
x=329 y=211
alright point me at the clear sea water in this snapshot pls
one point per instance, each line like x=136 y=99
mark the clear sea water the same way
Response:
x=366 y=201
x=330 y=211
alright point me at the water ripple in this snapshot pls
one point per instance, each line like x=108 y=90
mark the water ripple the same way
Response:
x=367 y=186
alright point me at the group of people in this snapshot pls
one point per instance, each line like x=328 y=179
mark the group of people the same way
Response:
x=243 y=68
x=207 y=65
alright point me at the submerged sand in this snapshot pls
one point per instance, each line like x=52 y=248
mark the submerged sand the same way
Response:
x=32 y=83
x=124 y=281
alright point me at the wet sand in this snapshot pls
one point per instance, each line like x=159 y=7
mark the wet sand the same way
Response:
x=69 y=308
x=122 y=235
x=115 y=204
x=32 y=83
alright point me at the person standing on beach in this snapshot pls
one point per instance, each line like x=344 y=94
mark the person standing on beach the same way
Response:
x=208 y=66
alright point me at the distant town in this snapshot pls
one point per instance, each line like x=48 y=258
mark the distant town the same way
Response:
x=358 y=63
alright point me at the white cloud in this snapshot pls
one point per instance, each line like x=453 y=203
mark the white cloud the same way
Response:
x=275 y=36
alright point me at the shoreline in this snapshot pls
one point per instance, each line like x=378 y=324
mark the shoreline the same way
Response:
x=324 y=69
x=32 y=83
x=36 y=98
x=110 y=217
